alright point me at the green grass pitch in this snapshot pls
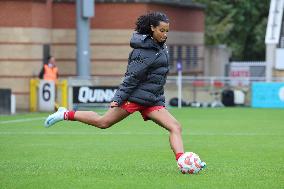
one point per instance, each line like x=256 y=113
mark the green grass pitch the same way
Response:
x=243 y=148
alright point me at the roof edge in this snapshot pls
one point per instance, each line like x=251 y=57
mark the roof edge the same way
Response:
x=177 y=3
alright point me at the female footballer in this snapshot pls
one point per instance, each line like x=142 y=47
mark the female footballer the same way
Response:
x=143 y=86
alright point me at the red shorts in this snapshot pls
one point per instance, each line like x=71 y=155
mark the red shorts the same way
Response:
x=132 y=107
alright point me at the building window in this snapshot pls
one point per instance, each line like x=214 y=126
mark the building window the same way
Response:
x=188 y=55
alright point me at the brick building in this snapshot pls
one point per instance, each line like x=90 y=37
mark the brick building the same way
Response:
x=27 y=25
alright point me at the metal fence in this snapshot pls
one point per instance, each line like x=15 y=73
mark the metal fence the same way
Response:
x=207 y=91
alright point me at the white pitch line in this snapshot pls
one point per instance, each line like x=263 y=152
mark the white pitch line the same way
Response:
x=29 y=119
x=21 y=120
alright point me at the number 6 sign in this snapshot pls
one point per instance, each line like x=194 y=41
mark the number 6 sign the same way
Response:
x=46 y=95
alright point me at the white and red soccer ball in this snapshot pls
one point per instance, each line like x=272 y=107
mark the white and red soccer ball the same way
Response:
x=190 y=163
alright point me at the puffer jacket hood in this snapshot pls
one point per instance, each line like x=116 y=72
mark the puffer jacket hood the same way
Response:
x=144 y=42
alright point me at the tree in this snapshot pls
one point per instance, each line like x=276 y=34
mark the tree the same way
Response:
x=240 y=24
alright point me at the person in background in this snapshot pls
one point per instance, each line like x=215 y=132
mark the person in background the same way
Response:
x=49 y=71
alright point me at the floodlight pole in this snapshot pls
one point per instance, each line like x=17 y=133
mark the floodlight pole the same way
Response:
x=84 y=11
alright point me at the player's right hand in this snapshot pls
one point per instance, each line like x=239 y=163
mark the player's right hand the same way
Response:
x=113 y=104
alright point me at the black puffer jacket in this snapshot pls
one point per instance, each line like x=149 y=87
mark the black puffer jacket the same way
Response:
x=146 y=73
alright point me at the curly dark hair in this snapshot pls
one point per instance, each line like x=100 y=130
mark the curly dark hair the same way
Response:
x=144 y=22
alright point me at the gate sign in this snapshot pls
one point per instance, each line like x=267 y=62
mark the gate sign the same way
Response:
x=267 y=95
x=240 y=75
x=46 y=95
x=93 y=94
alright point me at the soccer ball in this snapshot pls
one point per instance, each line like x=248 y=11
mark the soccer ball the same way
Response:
x=190 y=163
